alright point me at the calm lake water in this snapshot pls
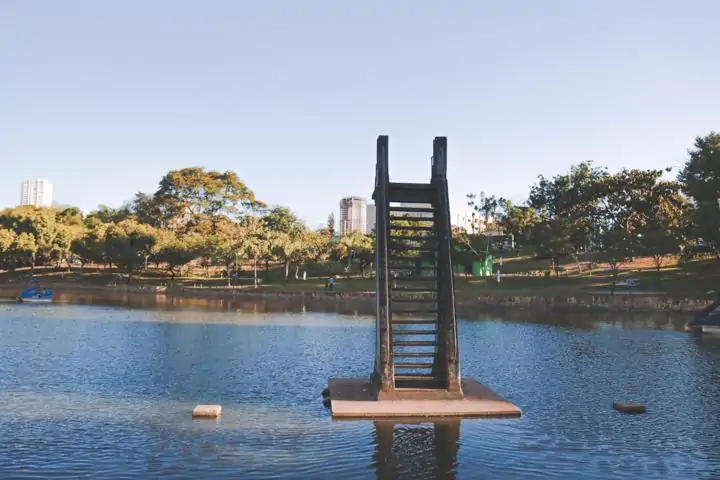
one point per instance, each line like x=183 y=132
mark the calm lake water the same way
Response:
x=91 y=391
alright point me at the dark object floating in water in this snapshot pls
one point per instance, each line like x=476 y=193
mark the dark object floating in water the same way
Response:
x=326 y=402
x=326 y=392
x=629 y=407
x=706 y=320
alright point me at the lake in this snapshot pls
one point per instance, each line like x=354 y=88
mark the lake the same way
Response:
x=104 y=391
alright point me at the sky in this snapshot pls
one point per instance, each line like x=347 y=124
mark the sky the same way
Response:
x=104 y=98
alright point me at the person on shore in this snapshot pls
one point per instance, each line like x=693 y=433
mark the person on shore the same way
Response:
x=330 y=285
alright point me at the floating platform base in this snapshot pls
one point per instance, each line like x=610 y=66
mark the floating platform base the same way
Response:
x=355 y=398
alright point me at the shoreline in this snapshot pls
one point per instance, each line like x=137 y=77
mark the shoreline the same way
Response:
x=365 y=301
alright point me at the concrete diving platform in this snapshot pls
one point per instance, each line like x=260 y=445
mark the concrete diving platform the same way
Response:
x=356 y=398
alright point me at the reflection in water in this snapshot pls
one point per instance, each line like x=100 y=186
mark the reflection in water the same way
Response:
x=106 y=392
x=416 y=449
x=582 y=320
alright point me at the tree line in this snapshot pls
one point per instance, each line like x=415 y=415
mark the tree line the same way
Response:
x=591 y=213
x=196 y=216
x=213 y=220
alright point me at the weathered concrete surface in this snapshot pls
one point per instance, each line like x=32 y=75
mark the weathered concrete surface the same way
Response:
x=207 y=411
x=355 y=398
x=617 y=303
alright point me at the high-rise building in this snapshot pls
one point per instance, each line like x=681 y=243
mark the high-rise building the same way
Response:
x=38 y=192
x=370 y=217
x=353 y=215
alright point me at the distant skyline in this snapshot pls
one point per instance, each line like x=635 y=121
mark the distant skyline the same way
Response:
x=37 y=192
x=104 y=98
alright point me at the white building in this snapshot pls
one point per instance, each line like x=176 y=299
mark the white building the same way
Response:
x=353 y=215
x=38 y=192
x=370 y=217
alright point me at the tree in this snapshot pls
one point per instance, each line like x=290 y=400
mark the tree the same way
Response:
x=287 y=232
x=517 y=221
x=25 y=245
x=71 y=217
x=319 y=246
x=223 y=245
x=176 y=252
x=62 y=243
x=661 y=233
x=190 y=195
x=700 y=180
x=39 y=222
x=358 y=249
x=90 y=248
x=45 y=230
x=128 y=243
x=285 y=246
x=255 y=240
x=639 y=213
x=7 y=238
x=105 y=214
x=312 y=247
x=330 y=225
x=567 y=209
x=147 y=209
x=484 y=210
x=617 y=248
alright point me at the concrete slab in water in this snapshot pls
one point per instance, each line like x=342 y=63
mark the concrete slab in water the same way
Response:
x=207 y=411
x=354 y=398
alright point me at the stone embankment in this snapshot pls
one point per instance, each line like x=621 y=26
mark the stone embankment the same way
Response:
x=365 y=301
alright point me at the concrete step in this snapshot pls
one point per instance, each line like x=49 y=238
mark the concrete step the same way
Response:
x=415 y=332
x=414 y=300
x=413 y=365
x=414 y=289
x=411 y=193
x=413 y=321
x=414 y=343
x=412 y=209
x=412 y=228
x=413 y=238
x=414 y=354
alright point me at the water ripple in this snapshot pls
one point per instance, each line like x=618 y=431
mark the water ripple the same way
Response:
x=98 y=392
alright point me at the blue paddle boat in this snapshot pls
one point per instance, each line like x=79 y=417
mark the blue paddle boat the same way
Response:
x=36 y=294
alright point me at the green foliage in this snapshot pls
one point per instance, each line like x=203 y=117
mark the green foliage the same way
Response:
x=7 y=239
x=518 y=221
x=357 y=249
x=700 y=180
x=189 y=196
x=25 y=247
x=212 y=219
x=176 y=252
x=286 y=239
x=484 y=209
x=128 y=243
x=589 y=213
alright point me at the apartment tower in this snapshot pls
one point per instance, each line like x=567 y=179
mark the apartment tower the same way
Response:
x=38 y=192
x=353 y=215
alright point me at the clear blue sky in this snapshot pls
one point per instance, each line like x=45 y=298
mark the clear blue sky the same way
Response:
x=104 y=97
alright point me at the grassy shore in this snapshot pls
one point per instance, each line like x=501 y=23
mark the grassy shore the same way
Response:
x=521 y=277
